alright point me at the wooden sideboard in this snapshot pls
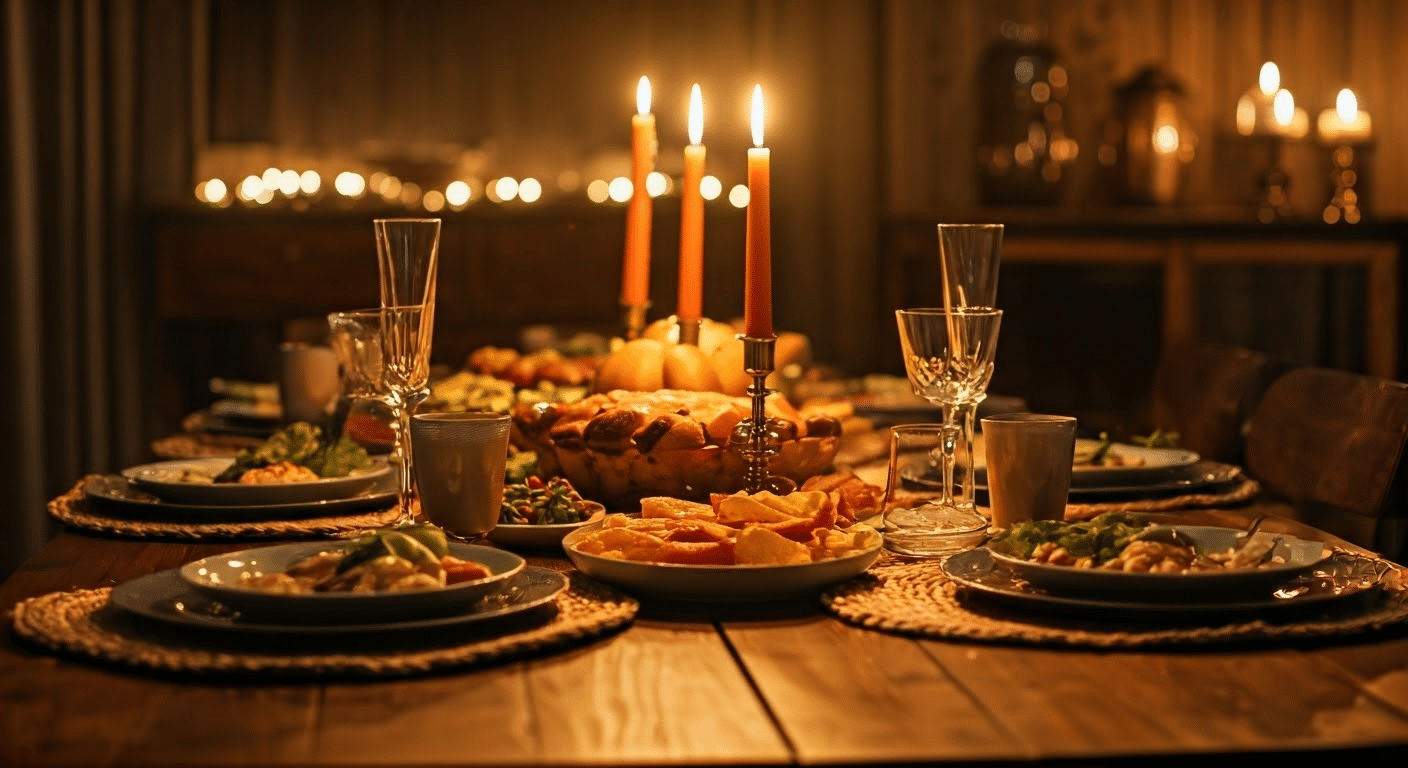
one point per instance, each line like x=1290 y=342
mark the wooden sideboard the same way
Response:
x=1093 y=296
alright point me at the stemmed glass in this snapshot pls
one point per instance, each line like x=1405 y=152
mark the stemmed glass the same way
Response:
x=969 y=257
x=407 y=257
x=948 y=354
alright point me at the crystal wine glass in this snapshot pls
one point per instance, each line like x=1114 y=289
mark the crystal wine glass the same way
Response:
x=407 y=256
x=949 y=355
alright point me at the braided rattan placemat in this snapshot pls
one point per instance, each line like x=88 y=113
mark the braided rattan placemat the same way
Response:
x=1244 y=491
x=75 y=509
x=916 y=598
x=202 y=445
x=84 y=623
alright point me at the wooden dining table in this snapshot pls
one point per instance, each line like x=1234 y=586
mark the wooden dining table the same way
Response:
x=765 y=684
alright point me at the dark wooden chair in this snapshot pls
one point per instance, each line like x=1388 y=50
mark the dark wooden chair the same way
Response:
x=1331 y=443
x=1207 y=392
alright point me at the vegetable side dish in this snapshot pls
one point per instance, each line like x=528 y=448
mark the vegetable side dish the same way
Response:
x=1116 y=542
x=551 y=502
x=297 y=453
x=414 y=557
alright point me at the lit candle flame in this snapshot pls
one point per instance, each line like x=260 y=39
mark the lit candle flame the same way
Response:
x=1347 y=106
x=643 y=95
x=757 y=115
x=696 y=115
x=1284 y=107
x=1270 y=79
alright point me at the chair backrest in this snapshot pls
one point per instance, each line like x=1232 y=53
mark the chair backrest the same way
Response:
x=1331 y=443
x=1207 y=392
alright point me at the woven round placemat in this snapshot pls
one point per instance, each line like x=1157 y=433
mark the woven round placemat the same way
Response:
x=1243 y=491
x=916 y=598
x=202 y=445
x=84 y=623
x=73 y=508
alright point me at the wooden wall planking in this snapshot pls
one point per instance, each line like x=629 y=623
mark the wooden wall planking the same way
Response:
x=1214 y=47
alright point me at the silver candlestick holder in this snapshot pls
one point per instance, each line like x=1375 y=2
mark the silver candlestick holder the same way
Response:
x=757 y=438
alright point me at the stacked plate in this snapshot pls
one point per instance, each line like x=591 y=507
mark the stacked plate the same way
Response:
x=1146 y=472
x=1304 y=576
x=182 y=487
x=214 y=593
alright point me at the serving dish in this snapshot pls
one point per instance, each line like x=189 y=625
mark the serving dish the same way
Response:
x=166 y=597
x=1332 y=581
x=535 y=537
x=222 y=577
x=119 y=495
x=1299 y=555
x=163 y=479
x=717 y=583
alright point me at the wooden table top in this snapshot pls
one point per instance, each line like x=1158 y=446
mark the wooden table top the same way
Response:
x=690 y=684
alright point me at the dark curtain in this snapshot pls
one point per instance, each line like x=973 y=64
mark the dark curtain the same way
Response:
x=70 y=193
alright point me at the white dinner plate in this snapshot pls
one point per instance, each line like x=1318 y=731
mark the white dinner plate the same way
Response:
x=166 y=597
x=117 y=494
x=1331 y=581
x=222 y=578
x=163 y=479
x=532 y=536
x=1299 y=555
x=1155 y=465
x=717 y=583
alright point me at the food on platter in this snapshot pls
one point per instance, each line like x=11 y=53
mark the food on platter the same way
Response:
x=295 y=454
x=1122 y=542
x=855 y=499
x=551 y=502
x=737 y=529
x=618 y=447
x=414 y=557
x=1104 y=454
x=534 y=368
x=658 y=361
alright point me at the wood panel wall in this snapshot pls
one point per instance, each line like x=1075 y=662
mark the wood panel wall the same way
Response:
x=1214 y=47
x=871 y=103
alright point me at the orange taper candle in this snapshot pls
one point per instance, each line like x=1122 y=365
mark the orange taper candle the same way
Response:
x=635 y=273
x=691 y=296
x=757 y=290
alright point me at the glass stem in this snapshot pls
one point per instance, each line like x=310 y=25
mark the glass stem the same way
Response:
x=967 y=496
x=406 y=493
x=948 y=447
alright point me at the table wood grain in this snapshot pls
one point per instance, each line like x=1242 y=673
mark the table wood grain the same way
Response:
x=767 y=684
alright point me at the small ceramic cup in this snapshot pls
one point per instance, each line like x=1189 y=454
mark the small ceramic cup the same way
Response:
x=1029 y=457
x=459 y=468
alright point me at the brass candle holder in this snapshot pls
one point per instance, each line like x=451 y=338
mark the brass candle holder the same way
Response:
x=757 y=438
x=633 y=319
x=689 y=329
x=1346 y=204
x=1275 y=202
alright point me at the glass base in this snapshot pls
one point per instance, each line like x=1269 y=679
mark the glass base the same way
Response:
x=930 y=529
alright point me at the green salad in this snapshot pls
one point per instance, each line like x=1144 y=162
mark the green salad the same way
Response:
x=302 y=444
x=1102 y=538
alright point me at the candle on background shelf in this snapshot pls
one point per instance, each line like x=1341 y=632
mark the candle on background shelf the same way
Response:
x=635 y=274
x=1292 y=122
x=757 y=291
x=1346 y=123
x=691 y=287
x=1254 y=110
